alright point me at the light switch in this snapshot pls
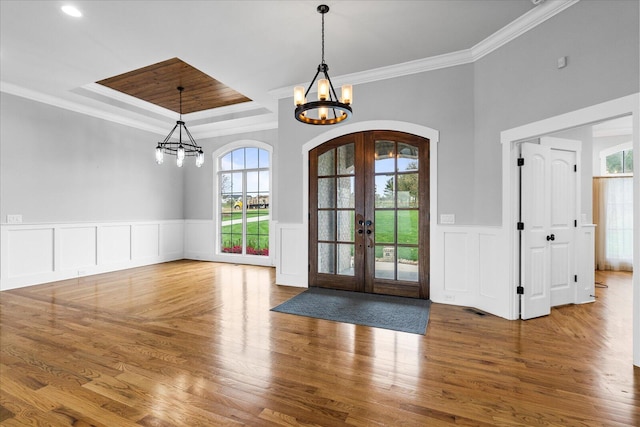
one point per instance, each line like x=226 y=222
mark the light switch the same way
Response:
x=447 y=218
x=14 y=219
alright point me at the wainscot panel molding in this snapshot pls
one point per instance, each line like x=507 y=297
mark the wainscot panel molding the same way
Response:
x=291 y=255
x=31 y=254
x=199 y=239
x=467 y=268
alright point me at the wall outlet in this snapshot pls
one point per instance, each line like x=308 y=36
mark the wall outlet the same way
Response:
x=14 y=219
x=447 y=218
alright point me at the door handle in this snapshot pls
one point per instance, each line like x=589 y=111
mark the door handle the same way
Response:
x=551 y=237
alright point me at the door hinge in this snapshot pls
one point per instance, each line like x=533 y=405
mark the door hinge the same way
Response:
x=520 y=226
x=309 y=267
x=575 y=278
x=575 y=222
x=575 y=168
x=520 y=290
x=520 y=161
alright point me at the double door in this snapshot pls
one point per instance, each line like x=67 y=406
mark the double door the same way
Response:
x=368 y=214
x=549 y=216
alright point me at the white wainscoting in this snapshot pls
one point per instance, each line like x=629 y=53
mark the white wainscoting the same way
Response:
x=199 y=239
x=468 y=268
x=38 y=253
x=291 y=255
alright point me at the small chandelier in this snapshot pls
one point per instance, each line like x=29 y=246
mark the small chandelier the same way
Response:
x=327 y=110
x=179 y=148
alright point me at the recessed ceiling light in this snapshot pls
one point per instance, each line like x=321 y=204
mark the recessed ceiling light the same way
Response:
x=71 y=11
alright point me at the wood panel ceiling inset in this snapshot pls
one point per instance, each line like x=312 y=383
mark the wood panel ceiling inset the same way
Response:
x=158 y=84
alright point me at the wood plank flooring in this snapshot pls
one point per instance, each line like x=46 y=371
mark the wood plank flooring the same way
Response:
x=192 y=343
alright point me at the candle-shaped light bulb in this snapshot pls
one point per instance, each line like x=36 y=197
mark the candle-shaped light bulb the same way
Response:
x=323 y=89
x=347 y=94
x=323 y=112
x=298 y=96
x=159 y=155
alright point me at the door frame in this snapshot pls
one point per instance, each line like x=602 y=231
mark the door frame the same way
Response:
x=626 y=105
x=364 y=278
x=432 y=135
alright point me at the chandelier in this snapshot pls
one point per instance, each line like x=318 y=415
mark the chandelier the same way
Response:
x=327 y=110
x=179 y=148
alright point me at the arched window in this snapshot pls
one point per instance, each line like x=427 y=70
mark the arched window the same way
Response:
x=244 y=181
x=617 y=160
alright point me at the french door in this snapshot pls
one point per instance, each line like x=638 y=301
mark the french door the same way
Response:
x=368 y=214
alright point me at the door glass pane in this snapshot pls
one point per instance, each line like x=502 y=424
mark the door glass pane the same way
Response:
x=346 y=159
x=326 y=258
x=384 y=226
x=326 y=225
x=385 y=191
x=408 y=227
x=263 y=181
x=326 y=163
x=345 y=259
x=407 y=187
x=385 y=262
x=326 y=193
x=385 y=156
x=407 y=157
x=346 y=192
x=345 y=226
x=407 y=264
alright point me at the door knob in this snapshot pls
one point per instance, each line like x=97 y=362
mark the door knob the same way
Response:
x=368 y=231
x=368 y=223
x=360 y=231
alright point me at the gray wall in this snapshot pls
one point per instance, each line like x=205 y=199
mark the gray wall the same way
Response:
x=442 y=100
x=61 y=166
x=520 y=82
x=57 y=165
x=470 y=105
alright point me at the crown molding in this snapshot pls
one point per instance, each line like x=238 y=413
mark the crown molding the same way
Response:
x=524 y=23
x=77 y=108
x=516 y=28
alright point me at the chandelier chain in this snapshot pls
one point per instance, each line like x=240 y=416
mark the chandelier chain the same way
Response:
x=323 y=37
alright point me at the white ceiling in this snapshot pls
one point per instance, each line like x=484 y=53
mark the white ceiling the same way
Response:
x=259 y=48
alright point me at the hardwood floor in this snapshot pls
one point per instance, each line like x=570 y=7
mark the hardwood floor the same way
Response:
x=194 y=344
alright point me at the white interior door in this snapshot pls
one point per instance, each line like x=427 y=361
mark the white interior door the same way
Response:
x=562 y=226
x=535 y=199
x=549 y=214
